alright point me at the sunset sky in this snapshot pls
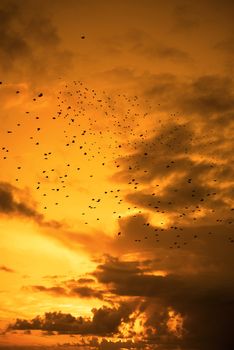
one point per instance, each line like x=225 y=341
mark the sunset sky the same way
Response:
x=116 y=174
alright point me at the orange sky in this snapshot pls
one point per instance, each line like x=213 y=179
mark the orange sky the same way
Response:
x=116 y=183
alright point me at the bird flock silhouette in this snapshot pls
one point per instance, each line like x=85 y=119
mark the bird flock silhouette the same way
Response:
x=148 y=163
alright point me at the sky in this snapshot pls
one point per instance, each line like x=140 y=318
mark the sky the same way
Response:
x=116 y=181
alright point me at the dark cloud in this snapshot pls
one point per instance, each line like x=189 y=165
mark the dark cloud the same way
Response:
x=162 y=51
x=70 y=289
x=200 y=299
x=181 y=195
x=226 y=48
x=11 y=203
x=29 y=42
x=87 y=292
x=226 y=45
x=184 y=19
x=86 y=280
x=167 y=52
x=208 y=95
x=58 y=291
x=18 y=203
x=162 y=154
x=6 y=269
x=107 y=344
x=141 y=43
x=205 y=96
x=207 y=306
x=118 y=345
x=105 y=321
x=182 y=159
x=180 y=168
x=201 y=243
x=127 y=278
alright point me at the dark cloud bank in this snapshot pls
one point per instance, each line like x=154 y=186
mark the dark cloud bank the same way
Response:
x=206 y=307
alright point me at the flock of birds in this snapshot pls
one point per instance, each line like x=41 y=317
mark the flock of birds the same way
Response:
x=117 y=148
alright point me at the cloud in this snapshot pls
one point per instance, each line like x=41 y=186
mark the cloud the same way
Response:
x=127 y=278
x=164 y=308
x=209 y=95
x=162 y=51
x=58 y=291
x=11 y=203
x=87 y=292
x=118 y=345
x=226 y=46
x=204 y=95
x=86 y=280
x=69 y=289
x=139 y=42
x=184 y=19
x=6 y=269
x=29 y=42
x=18 y=203
x=180 y=173
x=105 y=321
x=172 y=177
x=205 y=305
